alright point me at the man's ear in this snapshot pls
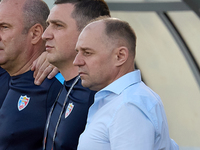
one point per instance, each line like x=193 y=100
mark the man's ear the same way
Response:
x=121 y=55
x=36 y=32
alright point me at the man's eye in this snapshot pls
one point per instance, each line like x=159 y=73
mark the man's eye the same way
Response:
x=58 y=25
x=87 y=53
x=4 y=27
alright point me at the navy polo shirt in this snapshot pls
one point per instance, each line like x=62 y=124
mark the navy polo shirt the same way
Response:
x=4 y=84
x=73 y=119
x=24 y=112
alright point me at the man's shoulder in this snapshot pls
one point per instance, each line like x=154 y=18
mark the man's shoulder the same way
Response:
x=58 y=80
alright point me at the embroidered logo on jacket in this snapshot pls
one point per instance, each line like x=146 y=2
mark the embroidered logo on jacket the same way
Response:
x=23 y=102
x=69 y=109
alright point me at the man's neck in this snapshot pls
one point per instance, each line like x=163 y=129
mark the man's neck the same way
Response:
x=69 y=72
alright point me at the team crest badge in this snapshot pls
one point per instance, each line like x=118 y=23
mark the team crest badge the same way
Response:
x=69 y=109
x=23 y=102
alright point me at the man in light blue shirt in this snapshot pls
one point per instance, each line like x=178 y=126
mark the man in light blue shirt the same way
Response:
x=126 y=114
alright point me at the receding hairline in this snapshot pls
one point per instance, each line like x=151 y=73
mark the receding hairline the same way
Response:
x=114 y=37
x=100 y=27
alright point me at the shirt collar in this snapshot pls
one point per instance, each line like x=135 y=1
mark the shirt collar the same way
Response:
x=122 y=83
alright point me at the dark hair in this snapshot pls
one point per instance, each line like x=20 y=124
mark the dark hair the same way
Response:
x=86 y=10
x=35 y=11
x=121 y=32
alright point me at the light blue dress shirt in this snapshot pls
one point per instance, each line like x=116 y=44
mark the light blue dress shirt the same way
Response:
x=127 y=115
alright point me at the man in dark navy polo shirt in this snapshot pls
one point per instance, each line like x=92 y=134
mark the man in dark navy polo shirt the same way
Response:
x=48 y=71
x=67 y=117
x=25 y=109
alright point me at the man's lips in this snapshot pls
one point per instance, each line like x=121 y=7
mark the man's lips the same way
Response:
x=82 y=73
x=48 y=47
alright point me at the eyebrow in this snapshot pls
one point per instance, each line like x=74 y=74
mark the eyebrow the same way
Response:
x=3 y=23
x=86 y=48
x=54 y=22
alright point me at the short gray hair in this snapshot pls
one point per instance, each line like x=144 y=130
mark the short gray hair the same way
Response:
x=34 y=11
